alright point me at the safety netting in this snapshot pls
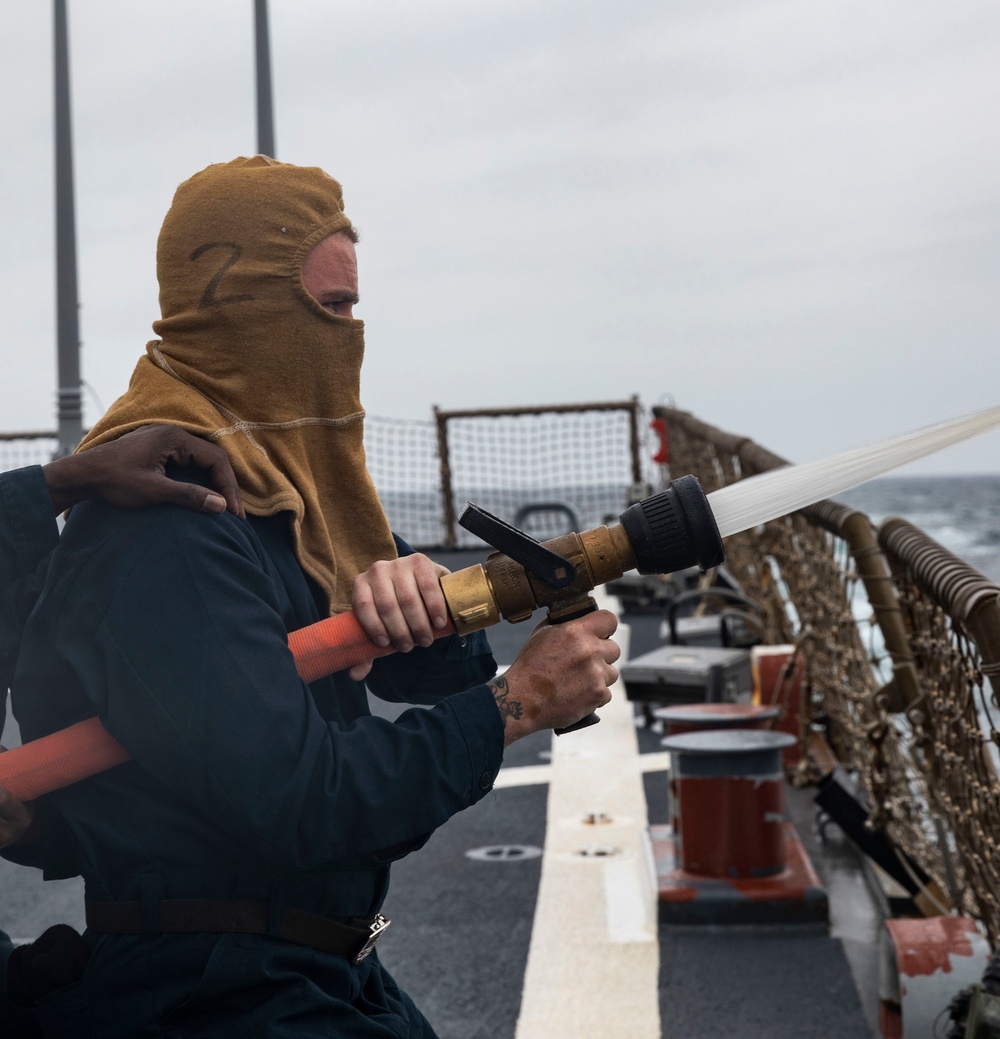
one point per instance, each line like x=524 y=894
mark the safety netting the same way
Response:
x=547 y=469
x=18 y=450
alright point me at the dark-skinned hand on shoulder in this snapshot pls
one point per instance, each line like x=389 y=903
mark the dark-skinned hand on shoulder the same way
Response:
x=132 y=471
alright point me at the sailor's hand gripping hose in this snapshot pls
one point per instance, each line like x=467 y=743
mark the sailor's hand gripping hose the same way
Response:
x=670 y=531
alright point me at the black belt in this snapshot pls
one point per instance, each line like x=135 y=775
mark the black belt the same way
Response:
x=176 y=916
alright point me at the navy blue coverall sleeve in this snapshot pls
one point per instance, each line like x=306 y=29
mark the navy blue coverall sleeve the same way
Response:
x=28 y=533
x=173 y=626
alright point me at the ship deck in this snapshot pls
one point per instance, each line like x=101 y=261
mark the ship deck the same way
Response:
x=467 y=928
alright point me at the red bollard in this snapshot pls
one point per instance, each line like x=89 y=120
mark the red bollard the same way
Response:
x=731 y=859
x=728 y=788
x=698 y=717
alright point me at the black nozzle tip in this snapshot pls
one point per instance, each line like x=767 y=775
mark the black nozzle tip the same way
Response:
x=674 y=530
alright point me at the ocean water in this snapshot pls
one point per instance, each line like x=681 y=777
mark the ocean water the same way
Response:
x=960 y=512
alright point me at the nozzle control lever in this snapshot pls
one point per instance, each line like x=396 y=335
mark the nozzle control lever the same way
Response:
x=545 y=564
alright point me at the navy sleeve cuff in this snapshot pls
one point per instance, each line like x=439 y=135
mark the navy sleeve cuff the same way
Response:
x=426 y=676
x=28 y=530
x=482 y=727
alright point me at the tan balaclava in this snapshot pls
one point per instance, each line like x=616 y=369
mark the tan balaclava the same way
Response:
x=247 y=358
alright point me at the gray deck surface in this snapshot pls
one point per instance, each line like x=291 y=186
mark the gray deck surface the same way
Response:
x=745 y=985
x=461 y=928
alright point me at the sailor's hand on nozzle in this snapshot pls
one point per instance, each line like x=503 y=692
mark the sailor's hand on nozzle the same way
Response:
x=561 y=675
x=399 y=603
x=131 y=472
x=15 y=817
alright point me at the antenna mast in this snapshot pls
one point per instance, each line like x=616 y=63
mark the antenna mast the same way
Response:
x=265 y=107
x=70 y=404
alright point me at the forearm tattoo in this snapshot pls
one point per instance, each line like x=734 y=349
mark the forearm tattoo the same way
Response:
x=509 y=707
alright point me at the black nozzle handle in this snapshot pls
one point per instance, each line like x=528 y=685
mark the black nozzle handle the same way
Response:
x=591 y=719
x=583 y=723
x=674 y=530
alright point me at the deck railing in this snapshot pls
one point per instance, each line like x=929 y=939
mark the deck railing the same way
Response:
x=902 y=645
x=31 y=448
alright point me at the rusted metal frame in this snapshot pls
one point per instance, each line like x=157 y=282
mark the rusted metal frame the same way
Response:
x=972 y=603
x=541 y=409
x=447 y=491
x=856 y=529
x=633 y=422
x=441 y=418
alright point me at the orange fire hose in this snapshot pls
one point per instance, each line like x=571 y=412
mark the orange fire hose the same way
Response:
x=84 y=749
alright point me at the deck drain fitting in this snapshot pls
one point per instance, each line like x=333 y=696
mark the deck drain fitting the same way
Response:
x=598 y=851
x=504 y=853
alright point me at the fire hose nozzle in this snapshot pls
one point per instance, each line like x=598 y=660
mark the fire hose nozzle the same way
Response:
x=674 y=530
x=669 y=531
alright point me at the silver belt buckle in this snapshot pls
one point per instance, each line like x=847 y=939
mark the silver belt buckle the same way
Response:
x=375 y=931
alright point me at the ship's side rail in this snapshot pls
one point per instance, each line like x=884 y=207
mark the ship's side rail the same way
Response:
x=902 y=644
x=29 y=448
x=952 y=615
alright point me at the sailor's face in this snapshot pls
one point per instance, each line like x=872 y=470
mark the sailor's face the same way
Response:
x=330 y=274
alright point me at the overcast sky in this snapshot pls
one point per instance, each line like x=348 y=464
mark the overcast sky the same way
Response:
x=783 y=216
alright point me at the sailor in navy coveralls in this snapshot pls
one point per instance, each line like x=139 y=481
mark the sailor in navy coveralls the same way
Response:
x=236 y=868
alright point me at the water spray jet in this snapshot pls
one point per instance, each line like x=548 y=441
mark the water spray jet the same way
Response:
x=778 y=492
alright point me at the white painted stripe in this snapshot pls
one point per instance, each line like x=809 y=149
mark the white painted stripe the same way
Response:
x=630 y=913
x=534 y=775
x=593 y=963
x=523 y=775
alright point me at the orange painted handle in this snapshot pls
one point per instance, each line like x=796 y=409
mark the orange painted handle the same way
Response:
x=59 y=759
x=84 y=749
x=336 y=644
